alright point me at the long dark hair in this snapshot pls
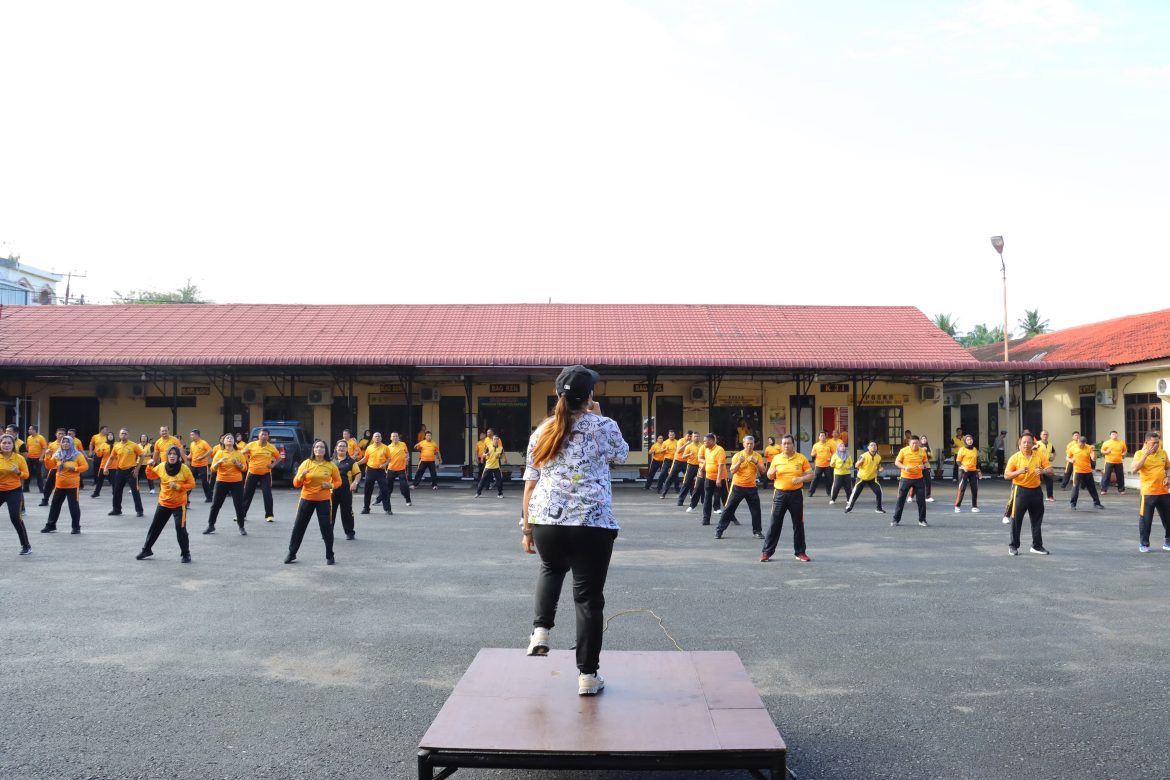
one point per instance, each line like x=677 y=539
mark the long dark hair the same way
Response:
x=553 y=432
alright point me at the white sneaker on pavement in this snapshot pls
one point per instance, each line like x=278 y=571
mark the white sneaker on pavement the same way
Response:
x=590 y=684
x=538 y=642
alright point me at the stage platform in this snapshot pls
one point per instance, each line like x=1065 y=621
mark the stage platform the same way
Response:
x=659 y=711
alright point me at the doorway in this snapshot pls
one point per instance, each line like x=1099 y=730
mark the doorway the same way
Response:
x=802 y=408
x=1034 y=417
x=969 y=421
x=1089 y=417
x=342 y=415
x=236 y=416
x=81 y=413
x=732 y=423
x=388 y=419
x=452 y=433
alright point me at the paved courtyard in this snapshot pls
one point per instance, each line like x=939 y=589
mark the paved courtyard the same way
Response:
x=896 y=653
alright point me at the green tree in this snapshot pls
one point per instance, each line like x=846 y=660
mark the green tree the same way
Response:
x=188 y=293
x=947 y=324
x=1032 y=325
x=981 y=335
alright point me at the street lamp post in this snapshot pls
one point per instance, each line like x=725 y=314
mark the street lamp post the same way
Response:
x=997 y=243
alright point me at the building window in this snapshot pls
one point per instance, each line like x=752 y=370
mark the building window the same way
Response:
x=507 y=416
x=669 y=414
x=1143 y=413
x=626 y=411
x=882 y=424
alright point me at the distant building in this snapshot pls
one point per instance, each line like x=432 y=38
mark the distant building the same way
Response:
x=23 y=285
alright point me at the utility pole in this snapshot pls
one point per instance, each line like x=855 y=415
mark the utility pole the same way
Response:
x=69 y=283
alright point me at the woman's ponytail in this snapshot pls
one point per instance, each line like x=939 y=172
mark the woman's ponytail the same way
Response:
x=553 y=433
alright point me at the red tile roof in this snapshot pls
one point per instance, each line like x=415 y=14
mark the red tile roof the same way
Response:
x=896 y=338
x=1136 y=338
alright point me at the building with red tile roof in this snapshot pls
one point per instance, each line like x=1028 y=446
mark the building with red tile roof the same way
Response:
x=1136 y=338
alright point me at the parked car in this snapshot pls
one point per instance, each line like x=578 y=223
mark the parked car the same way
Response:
x=294 y=444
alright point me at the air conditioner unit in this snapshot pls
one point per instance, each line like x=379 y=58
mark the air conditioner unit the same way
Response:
x=251 y=395
x=105 y=391
x=137 y=390
x=1105 y=398
x=949 y=399
x=428 y=394
x=1164 y=386
x=929 y=393
x=320 y=397
x=698 y=393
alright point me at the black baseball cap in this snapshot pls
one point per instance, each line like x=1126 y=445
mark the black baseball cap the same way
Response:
x=577 y=382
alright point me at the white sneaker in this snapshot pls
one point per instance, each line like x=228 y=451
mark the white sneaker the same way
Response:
x=538 y=642
x=1006 y=519
x=690 y=509
x=831 y=501
x=957 y=510
x=975 y=509
x=589 y=684
x=930 y=499
x=720 y=511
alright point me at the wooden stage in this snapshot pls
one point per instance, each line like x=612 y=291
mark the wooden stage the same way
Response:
x=659 y=711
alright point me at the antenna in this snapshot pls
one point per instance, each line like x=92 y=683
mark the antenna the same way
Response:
x=69 y=282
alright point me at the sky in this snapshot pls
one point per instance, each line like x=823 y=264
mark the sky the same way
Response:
x=792 y=153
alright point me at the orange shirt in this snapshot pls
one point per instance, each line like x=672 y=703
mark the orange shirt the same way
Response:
x=771 y=451
x=1114 y=450
x=13 y=469
x=823 y=453
x=1082 y=458
x=713 y=458
x=480 y=446
x=172 y=491
x=229 y=466
x=744 y=472
x=657 y=451
x=691 y=454
x=377 y=455
x=123 y=455
x=428 y=450
x=912 y=462
x=162 y=445
x=353 y=446
x=397 y=456
x=1018 y=461
x=199 y=452
x=97 y=440
x=668 y=448
x=317 y=479
x=968 y=458
x=69 y=473
x=261 y=457
x=36 y=445
x=786 y=468
x=1153 y=474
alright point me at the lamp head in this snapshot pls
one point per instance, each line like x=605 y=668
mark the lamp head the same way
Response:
x=997 y=242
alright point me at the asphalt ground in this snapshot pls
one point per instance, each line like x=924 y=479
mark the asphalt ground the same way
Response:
x=902 y=652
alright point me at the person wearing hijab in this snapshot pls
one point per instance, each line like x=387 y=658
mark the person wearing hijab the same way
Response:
x=567 y=516
x=50 y=467
x=175 y=481
x=229 y=465
x=317 y=478
x=347 y=467
x=13 y=473
x=842 y=465
x=69 y=464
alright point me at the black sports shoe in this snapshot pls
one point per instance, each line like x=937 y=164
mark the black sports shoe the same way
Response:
x=349 y=537
x=49 y=529
x=365 y=511
x=210 y=530
x=290 y=558
x=115 y=513
x=26 y=550
x=185 y=558
x=243 y=531
x=75 y=530
x=142 y=556
x=329 y=560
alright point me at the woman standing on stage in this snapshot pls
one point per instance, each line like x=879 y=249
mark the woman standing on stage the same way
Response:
x=317 y=477
x=69 y=464
x=228 y=465
x=13 y=472
x=351 y=474
x=175 y=481
x=567 y=515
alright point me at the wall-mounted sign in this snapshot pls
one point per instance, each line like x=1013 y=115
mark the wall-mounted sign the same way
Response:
x=387 y=399
x=194 y=390
x=514 y=401
x=391 y=387
x=1075 y=411
x=737 y=400
x=645 y=386
x=502 y=388
x=1087 y=389
x=884 y=399
x=838 y=387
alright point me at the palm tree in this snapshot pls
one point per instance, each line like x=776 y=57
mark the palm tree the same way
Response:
x=1032 y=325
x=981 y=334
x=947 y=324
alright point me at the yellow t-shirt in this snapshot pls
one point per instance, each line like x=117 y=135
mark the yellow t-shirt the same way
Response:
x=199 y=452
x=822 y=453
x=427 y=450
x=162 y=445
x=353 y=447
x=668 y=448
x=1114 y=451
x=771 y=451
x=867 y=466
x=397 y=456
x=98 y=440
x=1083 y=459
x=1030 y=480
x=36 y=445
x=657 y=451
x=1047 y=449
x=787 y=468
x=841 y=466
x=956 y=443
x=713 y=458
x=229 y=466
x=184 y=482
x=1070 y=450
x=317 y=479
x=912 y=462
x=13 y=469
x=480 y=447
x=125 y=455
x=261 y=457
x=968 y=458
x=491 y=454
x=745 y=468
x=1153 y=474
x=691 y=454
x=377 y=455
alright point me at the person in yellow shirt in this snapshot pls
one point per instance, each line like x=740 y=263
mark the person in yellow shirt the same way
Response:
x=422 y=434
x=35 y=446
x=1083 y=456
x=747 y=466
x=317 y=478
x=742 y=430
x=47 y=461
x=353 y=447
x=123 y=462
x=147 y=448
x=175 y=481
x=712 y=469
x=13 y=473
x=68 y=464
x=867 y=477
x=163 y=443
x=347 y=467
x=72 y=434
x=1114 y=450
x=229 y=465
x=678 y=464
x=822 y=453
x=99 y=449
x=842 y=465
x=692 y=479
x=957 y=443
x=262 y=455
x=493 y=456
x=375 y=458
x=429 y=458
x=1045 y=446
x=912 y=460
x=657 y=454
x=1024 y=469
x=967 y=461
x=397 y=469
x=200 y=452
x=791 y=472
x=1069 y=448
x=480 y=445
x=1149 y=464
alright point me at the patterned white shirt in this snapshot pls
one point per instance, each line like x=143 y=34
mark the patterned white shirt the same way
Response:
x=573 y=488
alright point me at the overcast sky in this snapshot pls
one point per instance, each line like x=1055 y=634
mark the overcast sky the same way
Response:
x=795 y=153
